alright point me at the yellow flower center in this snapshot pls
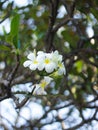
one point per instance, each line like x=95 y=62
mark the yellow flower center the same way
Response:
x=35 y=62
x=60 y=65
x=43 y=84
x=47 y=61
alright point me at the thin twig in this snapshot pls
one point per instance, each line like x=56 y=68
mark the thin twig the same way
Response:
x=23 y=102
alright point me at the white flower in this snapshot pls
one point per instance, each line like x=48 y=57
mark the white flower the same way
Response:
x=39 y=91
x=40 y=53
x=40 y=58
x=56 y=57
x=32 y=63
x=40 y=87
x=50 y=66
x=61 y=69
x=47 y=64
x=44 y=82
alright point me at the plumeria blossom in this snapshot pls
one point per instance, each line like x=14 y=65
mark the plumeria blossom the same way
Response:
x=48 y=65
x=46 y=62
x=39 y=91
x=61 y=69
x=46 y=81
x=32 y=63
x=49 y=62
x=56 y=57
x=43 y=83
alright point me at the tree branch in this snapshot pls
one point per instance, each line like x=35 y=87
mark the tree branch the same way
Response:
x=50 y=34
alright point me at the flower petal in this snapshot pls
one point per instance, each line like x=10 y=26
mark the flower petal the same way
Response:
x=27 y=63
x=49 y=68
x=48 y=79
x=33 y=67
x=40 y=53
x=31 y=56
x=61 y=69
x=40 y=67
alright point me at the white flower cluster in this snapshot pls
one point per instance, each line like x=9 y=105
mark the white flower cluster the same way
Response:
x=49 y=62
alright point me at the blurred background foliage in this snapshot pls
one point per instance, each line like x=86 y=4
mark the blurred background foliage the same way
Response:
x=74 y=34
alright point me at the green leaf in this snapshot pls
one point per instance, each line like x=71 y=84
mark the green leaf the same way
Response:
x=13 y=37
x=79 y=65
x=15 y=30
x=15 y=25
x=4 y=48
